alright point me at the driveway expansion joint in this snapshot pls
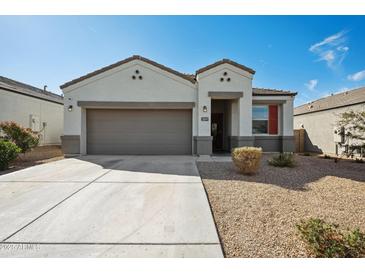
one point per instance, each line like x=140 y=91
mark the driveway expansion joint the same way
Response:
x=53 y=207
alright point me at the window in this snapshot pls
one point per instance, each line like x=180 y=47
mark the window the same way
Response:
x=260 y=119
x=265 y=119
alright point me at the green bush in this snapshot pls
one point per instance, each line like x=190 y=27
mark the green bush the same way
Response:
x=247 y=159
x=285 y=159
x=8 y=153
x=328 y=241
x=24 y=138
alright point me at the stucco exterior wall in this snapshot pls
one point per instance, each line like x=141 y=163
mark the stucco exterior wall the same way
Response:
x=117 y=85
x=239 y=81
x=285 y=112
x=19 y=108
x=157 y=85
x=319 y=127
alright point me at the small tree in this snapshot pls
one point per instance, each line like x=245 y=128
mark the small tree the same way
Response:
x=353 y=127
x=24 y=138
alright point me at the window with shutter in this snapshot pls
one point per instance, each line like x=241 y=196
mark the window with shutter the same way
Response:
x=273 y=119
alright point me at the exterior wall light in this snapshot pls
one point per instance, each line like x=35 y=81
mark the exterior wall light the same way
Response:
x=70 y=108
x=205 y=109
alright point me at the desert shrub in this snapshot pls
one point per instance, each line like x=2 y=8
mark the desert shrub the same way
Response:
x=285 y=159
x=8 y=153
x=326 y=240
x=247 y=159
x=24 y=138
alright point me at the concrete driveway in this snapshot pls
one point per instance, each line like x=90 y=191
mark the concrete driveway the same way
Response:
x=107 y=206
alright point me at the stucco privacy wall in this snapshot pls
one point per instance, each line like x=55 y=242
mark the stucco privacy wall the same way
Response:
x=117 y=85
x=319 y=127
x=18 y=108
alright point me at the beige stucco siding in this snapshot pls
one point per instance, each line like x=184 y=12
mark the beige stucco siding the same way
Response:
x=120 y=87
x=320 y=127
x=19 y=108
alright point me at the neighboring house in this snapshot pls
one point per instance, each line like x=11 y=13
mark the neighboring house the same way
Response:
x=319 y=119
x=34 y=108
x=137 y=106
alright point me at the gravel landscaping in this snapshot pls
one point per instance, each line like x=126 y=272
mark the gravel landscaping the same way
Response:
x=256 y=215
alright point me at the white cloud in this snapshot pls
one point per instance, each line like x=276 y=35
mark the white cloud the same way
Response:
x=332 y=49
x=334 y=39
x=328 y=56
x=358 y=76
x=343 y=48
x=311 y=85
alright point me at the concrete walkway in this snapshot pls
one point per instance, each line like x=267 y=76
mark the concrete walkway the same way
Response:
x=107 y=206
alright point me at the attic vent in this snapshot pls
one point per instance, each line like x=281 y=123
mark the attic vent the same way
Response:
x=136 y=75
x=225 y=74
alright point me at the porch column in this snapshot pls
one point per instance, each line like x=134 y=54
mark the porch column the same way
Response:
x=288 y=131
x=242 y=109
x=203 y=141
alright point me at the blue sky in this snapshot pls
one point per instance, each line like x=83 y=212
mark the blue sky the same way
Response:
x=313 y=55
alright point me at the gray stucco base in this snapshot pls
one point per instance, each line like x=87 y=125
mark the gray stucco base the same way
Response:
x=241 y=141
x=203 y=145
x=275 y=143
x=268 y=143
x=288 y=143
x=70 y=144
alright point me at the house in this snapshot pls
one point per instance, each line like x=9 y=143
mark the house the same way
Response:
x=34 y=108
x=137 y=106
x=319 y=119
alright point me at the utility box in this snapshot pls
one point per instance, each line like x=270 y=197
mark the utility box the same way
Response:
x=35 y=123
x=339 y=135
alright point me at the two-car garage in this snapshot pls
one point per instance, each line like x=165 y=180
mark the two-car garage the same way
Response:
x=139 y=131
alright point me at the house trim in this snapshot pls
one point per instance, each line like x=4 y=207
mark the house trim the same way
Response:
x=331 y=108
x=187 y=77
x=225 y=95
x=33 y=96
x=136 y=105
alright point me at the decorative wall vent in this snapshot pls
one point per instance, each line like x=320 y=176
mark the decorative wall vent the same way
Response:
x=136 y=75
x=225 y=74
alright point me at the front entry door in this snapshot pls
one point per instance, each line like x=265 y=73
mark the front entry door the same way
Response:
x=217 y=131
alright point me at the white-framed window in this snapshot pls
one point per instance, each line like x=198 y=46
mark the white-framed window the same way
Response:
x=260 y=119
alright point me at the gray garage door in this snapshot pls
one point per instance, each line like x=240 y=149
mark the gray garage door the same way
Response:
x=111 y=131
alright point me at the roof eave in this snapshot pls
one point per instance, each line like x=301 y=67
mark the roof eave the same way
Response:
x=225 y=61
x=124 y=61
x=275 y=94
